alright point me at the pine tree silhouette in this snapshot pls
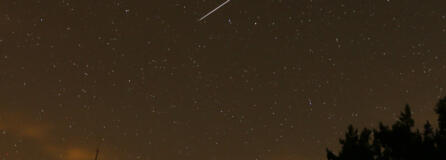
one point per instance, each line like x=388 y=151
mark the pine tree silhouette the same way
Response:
x=428 y=146
x=440 y=136
x=398 y=142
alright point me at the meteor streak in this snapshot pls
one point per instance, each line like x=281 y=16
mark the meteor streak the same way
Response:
x=221 y=5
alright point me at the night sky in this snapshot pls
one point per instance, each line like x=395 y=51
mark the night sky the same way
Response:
x=256 y=80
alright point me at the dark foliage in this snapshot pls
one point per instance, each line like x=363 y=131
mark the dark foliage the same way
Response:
x=396 y=142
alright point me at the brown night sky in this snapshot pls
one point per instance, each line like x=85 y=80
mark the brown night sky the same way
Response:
x=256 y=80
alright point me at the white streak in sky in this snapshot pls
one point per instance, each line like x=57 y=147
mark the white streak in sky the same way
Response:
x=221 y=5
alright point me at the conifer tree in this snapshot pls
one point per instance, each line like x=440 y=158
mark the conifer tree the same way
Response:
x=398 y=141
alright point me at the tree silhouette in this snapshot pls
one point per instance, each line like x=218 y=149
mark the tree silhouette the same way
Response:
x=440 y=136
x=354 y=146
x=398 y=142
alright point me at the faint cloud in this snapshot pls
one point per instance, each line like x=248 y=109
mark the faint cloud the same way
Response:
x=42 y=133
x=22 y=126
x=78 y=154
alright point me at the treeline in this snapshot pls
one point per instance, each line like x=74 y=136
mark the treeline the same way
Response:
x=400 y=141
